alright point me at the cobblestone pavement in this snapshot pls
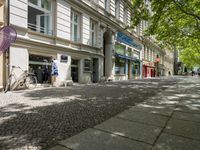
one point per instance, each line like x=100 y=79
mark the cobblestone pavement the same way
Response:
x=40 y=118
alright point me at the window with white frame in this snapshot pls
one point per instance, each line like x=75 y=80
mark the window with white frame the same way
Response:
x=125 y=14
x=107 y=5
x=117 y=8
x=144 y=54
x=93 y=30
x=148 y=53
x=75 y=26
x=128 y=17
x=40 y=16
x=87 y=65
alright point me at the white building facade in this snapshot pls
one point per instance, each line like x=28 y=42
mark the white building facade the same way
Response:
x=169 y=63
x=2 y=55
x=85 y=37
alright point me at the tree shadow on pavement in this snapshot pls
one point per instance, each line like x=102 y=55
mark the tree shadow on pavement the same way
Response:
x=53 y=114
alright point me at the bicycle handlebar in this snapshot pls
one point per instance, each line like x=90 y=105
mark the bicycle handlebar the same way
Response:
x=13 y=66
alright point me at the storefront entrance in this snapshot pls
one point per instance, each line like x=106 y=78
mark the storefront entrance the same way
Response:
x=41 y=67
x=74 y=70
x=95 y=70
x=135 y=69
x=148 y=71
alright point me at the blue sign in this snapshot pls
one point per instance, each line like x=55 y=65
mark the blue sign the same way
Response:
x=126 y=57
x=127 y=40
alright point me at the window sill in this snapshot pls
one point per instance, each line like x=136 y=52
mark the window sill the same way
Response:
x=41 y=34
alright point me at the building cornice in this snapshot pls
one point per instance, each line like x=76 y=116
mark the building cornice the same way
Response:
x=29 y=43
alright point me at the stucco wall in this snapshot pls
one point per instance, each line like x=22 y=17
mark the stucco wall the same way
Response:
x=19 y=12
x=1 y=71
x=112 y=7
x=19 y=57
x=64 y=69
x=63 y=20
x=86 y=29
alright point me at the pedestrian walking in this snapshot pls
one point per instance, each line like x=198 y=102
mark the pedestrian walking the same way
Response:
x=54 y=70
x=192 y=73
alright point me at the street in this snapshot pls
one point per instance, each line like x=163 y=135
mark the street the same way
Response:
x=162 y=114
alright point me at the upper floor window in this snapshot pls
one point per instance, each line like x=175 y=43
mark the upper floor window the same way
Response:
x=106 y=5
x=148 y=53
x=40 y=16
x=144 y=54
x=75 y=26
x=117 y=8
x=93 y=30
x=125 y=15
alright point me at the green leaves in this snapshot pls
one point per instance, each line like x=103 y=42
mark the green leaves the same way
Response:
x=174 y=22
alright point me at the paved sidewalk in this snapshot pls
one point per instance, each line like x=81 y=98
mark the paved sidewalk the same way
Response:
x=169 y=120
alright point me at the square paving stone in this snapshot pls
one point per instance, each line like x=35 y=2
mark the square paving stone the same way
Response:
x=189 y=108
x=59 y=147
x=162 y=103
x=172 y=142
x=93 y=139
x=144 y=117
x=154 y=109
x=133 y=130
x=187 y=116
x=183 y=128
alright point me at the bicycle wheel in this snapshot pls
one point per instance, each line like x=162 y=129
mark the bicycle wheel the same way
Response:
x=31 y=81
x=7 y=86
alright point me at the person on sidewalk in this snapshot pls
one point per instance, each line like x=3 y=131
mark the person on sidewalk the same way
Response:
x=54 y=71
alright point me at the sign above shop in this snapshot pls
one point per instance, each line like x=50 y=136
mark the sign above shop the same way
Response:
x=121 y=37
x=126 y=57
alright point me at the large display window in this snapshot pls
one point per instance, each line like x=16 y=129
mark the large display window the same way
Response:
x=41 y=67
x=135 y=69
x=120 y=66
x=120 y=49
x=120 y=63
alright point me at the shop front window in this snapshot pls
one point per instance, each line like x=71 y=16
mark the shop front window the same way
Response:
x=41 y=67
x=119 y=66
x=135 y=69
x=120 y=49
x=40 y=16
x=129 y=52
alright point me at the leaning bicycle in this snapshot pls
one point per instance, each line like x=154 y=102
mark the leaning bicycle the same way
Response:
x=25 y=80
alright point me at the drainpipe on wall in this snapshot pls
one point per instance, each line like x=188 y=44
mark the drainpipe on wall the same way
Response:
x=7 y=71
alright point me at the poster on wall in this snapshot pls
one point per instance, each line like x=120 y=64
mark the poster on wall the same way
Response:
x=64 y=58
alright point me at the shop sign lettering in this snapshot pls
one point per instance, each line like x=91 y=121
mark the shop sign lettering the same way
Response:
x=127 y=40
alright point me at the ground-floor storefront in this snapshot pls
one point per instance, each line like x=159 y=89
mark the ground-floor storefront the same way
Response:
x=126 y=67
x=72 y=66
x=126 y=62
x=152 y=69
x=148 y=69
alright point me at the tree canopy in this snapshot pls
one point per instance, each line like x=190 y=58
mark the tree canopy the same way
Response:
x=175 y=23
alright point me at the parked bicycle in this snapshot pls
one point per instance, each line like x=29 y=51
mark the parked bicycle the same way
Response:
x=25 y=80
